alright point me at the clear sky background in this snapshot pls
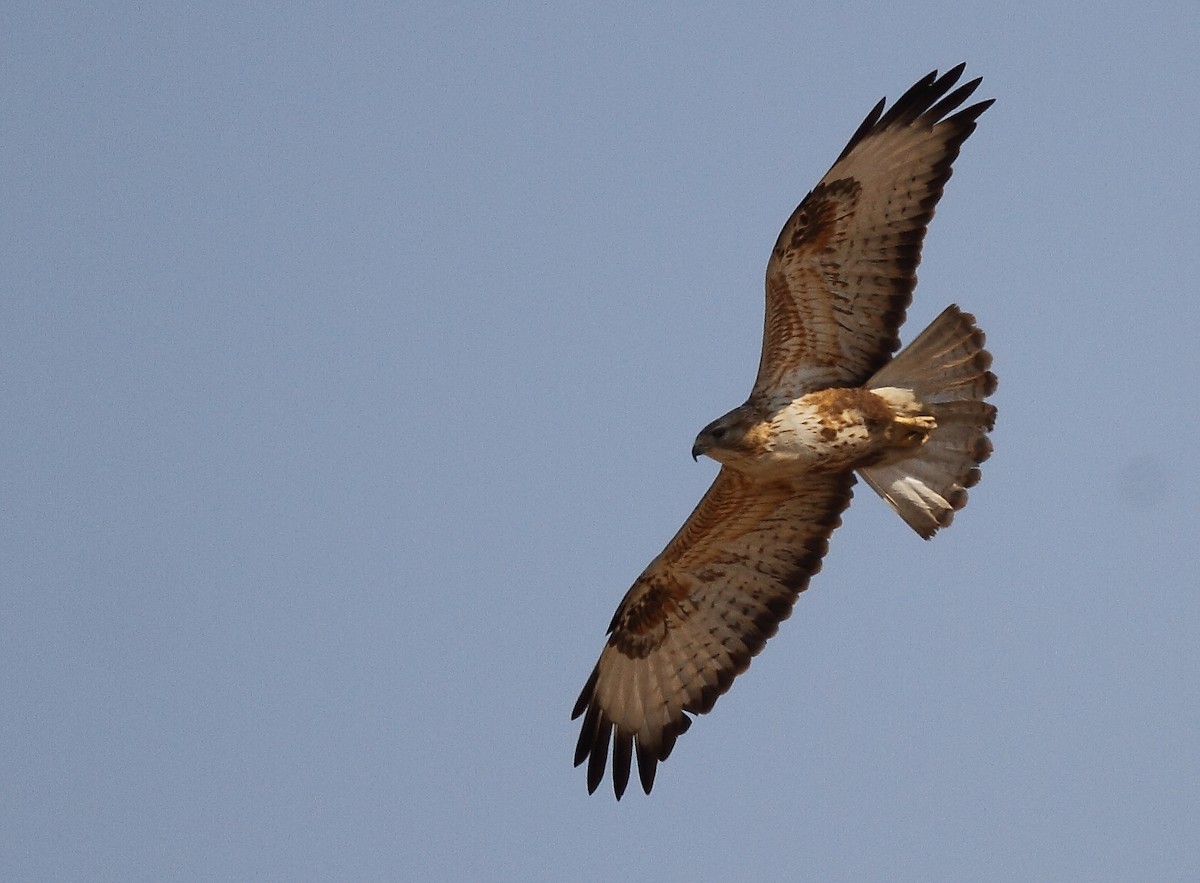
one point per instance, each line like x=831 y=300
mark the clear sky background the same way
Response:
x=351 y=359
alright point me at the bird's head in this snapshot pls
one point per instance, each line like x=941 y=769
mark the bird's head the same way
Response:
x=725 y=439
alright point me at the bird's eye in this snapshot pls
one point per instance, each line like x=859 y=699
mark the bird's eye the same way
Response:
x=718 y=433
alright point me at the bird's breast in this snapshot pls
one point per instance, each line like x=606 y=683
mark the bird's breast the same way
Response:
x=830 y=430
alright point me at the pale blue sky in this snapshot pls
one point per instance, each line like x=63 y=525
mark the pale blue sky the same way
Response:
x=352 y=357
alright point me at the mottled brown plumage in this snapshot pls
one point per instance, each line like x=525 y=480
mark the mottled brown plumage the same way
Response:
x=829 y=400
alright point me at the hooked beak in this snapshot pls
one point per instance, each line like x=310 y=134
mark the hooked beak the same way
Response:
x=697 y=450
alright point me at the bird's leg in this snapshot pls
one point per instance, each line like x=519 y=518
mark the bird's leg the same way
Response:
x=912 y=431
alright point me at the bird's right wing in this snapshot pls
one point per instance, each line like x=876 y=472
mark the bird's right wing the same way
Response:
x=699 y=612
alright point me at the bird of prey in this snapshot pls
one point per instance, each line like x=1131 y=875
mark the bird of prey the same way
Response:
x=829 y=401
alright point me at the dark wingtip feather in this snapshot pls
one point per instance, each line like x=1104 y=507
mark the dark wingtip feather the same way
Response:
x=952 y=74
x=923 y=99
x=585 y=695
x=599 y=755
x=622 y=760
x=587 y=735
x=864 y=127
x=920 y=97
x=647 y=766
x=953 y=100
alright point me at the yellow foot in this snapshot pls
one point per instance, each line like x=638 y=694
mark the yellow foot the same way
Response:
x=912 y=432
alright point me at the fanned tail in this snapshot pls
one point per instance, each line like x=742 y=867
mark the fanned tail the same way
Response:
x=946 y=371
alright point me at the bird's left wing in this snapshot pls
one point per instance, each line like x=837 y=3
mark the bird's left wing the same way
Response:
x=692 y=621
x=842 y=273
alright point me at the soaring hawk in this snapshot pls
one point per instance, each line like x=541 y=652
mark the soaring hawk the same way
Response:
x=829 y=401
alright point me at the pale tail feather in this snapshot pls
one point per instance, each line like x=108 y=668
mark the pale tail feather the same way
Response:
x=946 y=369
